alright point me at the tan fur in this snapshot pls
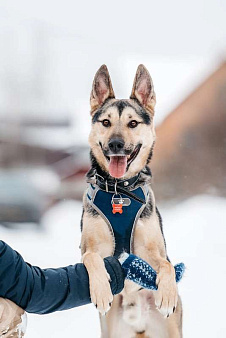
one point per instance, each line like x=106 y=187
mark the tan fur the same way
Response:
x=143 y=133
x=133 y=313
x=137 y=313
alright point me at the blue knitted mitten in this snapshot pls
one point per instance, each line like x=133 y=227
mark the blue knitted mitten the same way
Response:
x=140 y=272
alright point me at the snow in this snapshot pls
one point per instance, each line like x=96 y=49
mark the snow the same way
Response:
x=195 y=234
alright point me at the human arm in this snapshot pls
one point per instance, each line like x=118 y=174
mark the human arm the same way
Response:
x=48 y=290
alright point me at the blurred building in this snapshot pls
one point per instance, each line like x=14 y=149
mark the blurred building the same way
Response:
x=190 y=152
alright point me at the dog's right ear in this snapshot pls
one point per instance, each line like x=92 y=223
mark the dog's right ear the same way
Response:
x=102 y=88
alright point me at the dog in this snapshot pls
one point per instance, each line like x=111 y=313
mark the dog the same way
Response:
x=122 y=138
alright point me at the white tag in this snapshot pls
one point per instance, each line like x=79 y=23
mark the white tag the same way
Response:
x=120 y=200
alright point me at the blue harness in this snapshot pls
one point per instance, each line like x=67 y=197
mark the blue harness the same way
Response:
x=121 y=225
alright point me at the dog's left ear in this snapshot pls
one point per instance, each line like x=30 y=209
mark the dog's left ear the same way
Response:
x=102 y=88
x=143 y=89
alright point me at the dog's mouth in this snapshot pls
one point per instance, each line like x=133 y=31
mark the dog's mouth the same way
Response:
x=119 y=164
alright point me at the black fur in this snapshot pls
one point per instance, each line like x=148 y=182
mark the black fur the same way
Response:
x=146 y=213
x=95 y=168
x=100 y=111
x=81 y=222
x=97 y=115
x=121 y=105
x=151 y=153
x=147 y=171
x=91 y=211
x=143 y=113
x=161 y=226
x=139 y=110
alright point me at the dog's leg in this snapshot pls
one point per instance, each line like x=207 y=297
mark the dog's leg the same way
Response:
x=173 y=330
x=174 y=322
x=149 y=245
x=100 y=290
x=111 y=323
x=96 y=244
x=117 y=322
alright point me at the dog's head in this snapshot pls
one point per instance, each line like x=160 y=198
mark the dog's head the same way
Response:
x=122 y=134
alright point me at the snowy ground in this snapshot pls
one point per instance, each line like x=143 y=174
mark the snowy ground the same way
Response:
x=195 y=233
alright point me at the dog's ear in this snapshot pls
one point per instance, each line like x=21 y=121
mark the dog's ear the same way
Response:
x=102 y=88
x=143 y=89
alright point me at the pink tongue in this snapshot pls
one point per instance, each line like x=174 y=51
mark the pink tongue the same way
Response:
x=117 y=166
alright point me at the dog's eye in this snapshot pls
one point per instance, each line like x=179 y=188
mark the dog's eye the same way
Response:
x=106 y=123
x=132 y=124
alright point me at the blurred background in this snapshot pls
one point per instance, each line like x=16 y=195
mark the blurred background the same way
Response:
x=49 y=53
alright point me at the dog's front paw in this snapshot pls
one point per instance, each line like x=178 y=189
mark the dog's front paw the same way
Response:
x=166 y=296
x=101 y=295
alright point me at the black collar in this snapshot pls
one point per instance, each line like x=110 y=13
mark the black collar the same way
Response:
x=109 y=184
x=118 y=186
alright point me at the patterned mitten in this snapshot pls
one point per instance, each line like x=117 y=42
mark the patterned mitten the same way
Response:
x=140 y=272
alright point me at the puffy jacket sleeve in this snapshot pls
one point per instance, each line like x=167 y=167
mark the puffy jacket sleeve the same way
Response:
x=48 y=290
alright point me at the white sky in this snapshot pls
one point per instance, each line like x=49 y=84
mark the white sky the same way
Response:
x=57 y=46
x=153 y=27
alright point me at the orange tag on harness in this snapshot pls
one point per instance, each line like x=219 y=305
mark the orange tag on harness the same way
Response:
x=117 y=208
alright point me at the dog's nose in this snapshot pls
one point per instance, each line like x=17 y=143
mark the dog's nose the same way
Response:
x=116 y=145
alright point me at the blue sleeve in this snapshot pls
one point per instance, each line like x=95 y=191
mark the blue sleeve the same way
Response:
x=48 y=290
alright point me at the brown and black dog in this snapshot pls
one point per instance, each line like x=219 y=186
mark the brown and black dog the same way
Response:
x=121 y=140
